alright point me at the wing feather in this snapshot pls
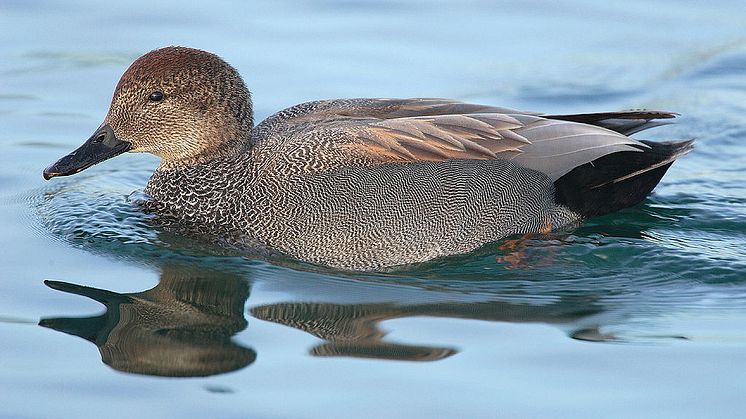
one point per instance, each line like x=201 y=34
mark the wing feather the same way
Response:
x=381 y=131
x=557 y=148
x=443 y=137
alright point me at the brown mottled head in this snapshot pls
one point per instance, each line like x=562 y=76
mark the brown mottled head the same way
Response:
x=181 y=104
x=178 y=102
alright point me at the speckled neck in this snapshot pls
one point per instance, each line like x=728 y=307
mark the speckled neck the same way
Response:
x=228 y=152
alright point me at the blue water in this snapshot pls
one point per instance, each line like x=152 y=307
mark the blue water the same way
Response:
x=636 y=314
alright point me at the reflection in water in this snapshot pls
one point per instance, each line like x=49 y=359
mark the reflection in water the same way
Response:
x=183 y=326
x=180 y=328
x=352 y=330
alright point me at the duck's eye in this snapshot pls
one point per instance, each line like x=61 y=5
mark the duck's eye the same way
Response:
x=156 y=96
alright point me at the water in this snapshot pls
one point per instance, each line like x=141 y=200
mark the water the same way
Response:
x=640 y=313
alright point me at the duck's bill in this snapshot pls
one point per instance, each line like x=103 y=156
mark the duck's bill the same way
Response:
x=102 y=145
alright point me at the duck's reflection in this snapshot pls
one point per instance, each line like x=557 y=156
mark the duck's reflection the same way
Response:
x=183 y=327
x=180 y=328
x=352 y=330
x=349 y=330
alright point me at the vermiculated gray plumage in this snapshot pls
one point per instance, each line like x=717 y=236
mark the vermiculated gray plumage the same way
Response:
x=293 y=190
x=370 y=183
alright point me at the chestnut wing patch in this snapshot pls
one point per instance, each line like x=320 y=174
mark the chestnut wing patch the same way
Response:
x=478 y=136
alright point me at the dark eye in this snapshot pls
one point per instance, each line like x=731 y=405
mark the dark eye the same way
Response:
x=156 y=96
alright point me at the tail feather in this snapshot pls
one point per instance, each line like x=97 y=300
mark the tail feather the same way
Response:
x=618 y=180
x=623 y=122
x=668 y=151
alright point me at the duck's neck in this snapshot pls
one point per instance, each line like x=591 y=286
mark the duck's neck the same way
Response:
x=225 y=150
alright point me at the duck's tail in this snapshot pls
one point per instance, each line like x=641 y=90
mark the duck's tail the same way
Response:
x=618 y=180
x=624 y=122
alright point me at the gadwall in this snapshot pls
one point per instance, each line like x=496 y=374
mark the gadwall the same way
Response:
x=364 y=184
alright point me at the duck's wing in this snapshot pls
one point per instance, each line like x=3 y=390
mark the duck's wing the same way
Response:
x=382 y=131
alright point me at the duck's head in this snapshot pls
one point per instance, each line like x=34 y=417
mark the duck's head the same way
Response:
x=181 y=104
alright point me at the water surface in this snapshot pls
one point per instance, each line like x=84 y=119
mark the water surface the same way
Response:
x=639 y=313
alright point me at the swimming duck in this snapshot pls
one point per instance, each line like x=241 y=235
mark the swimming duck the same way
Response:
x=365 y=184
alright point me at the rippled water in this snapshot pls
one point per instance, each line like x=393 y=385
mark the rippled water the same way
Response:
x=639 y=313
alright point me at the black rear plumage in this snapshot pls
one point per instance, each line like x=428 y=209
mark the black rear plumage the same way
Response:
x=623 y=179
x=618 y=180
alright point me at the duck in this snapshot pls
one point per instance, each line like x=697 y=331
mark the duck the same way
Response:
x=367 y=184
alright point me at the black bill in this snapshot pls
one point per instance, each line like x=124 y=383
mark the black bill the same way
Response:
x=102 y=145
